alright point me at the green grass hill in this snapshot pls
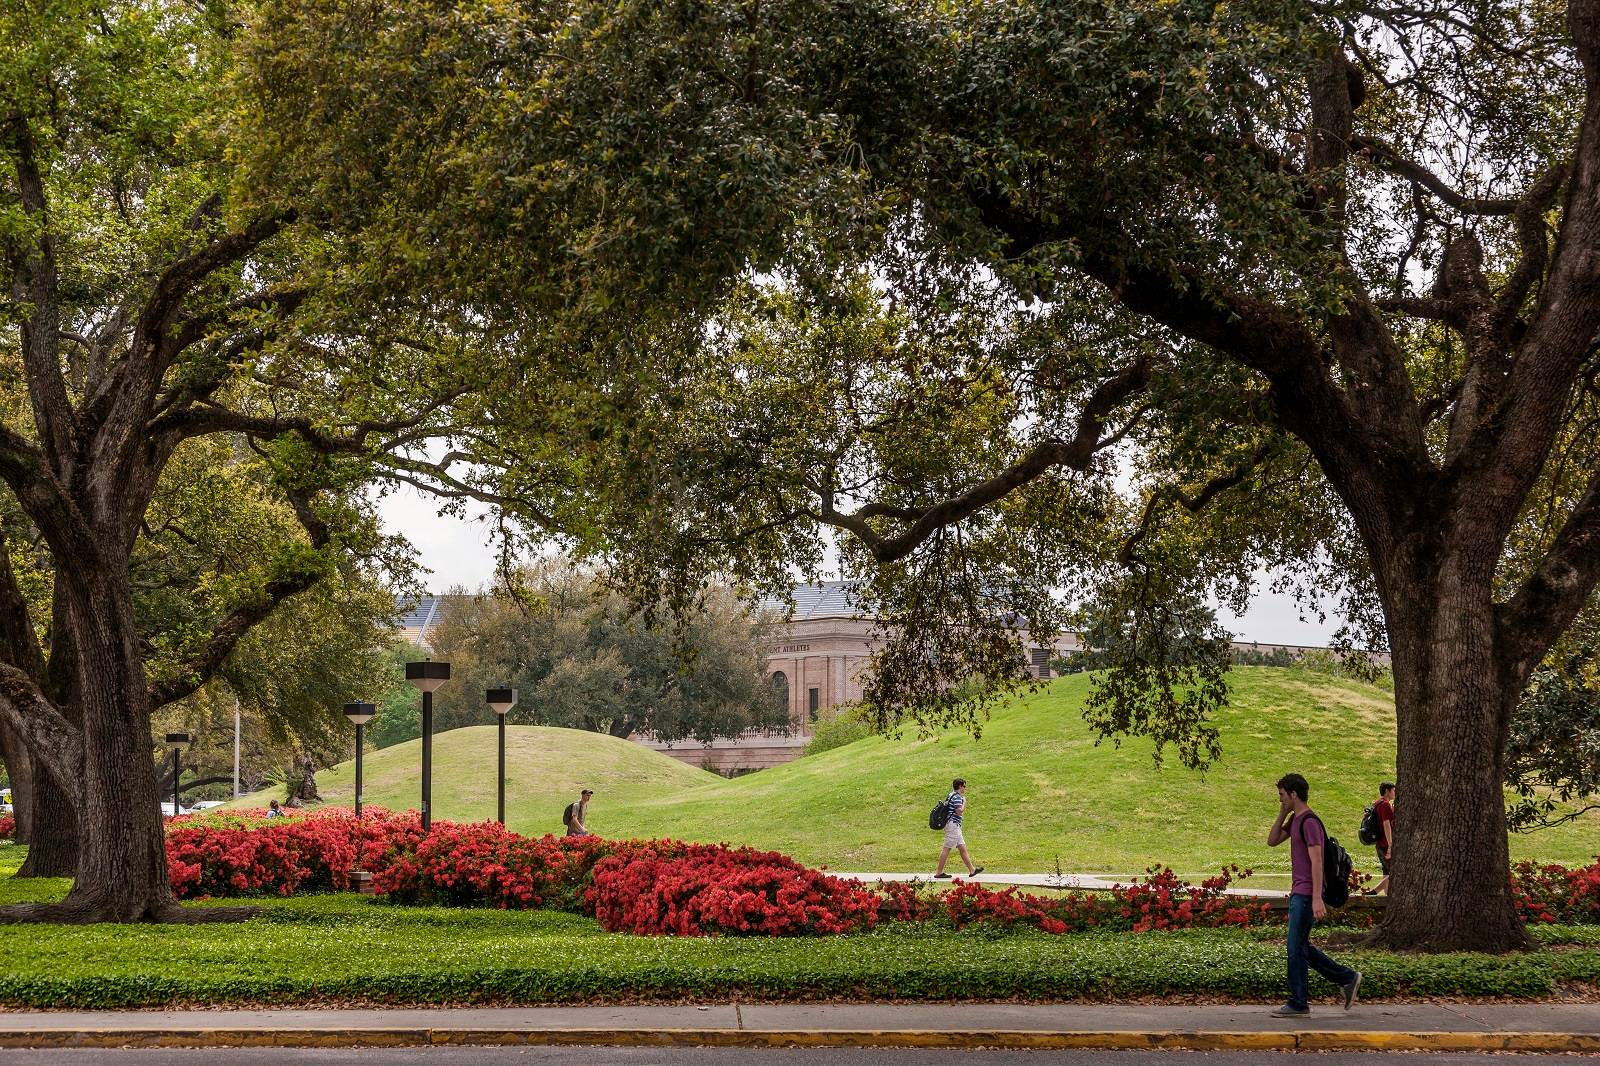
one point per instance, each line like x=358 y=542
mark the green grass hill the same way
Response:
x=1041 y=791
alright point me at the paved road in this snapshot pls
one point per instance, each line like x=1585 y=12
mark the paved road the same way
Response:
x=593 y=1056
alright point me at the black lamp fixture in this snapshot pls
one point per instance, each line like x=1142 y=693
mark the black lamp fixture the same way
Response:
x=427 y=676
x=175 y=741
x=360 y=714
x=500 y=701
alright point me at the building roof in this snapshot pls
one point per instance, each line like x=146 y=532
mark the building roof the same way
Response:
x=823 y=599
x=418 y=616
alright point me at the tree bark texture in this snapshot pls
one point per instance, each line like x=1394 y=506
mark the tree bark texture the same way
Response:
x=53 y=831
x=19 y=768
x=1449 y=888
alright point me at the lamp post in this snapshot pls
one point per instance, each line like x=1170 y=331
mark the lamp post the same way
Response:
x=427 y=676
x=177 y=739
x=500 y=701
x=360 y=714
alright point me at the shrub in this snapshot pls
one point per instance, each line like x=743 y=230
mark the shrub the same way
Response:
x=1552 y=893
x=8 y=827
x=698 y=890
x=246 y=854
x=838 y=727
x=1158 y=901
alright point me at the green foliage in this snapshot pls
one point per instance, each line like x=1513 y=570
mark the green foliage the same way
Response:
x=580 y=657
x=1553 y=751
x=837 y=727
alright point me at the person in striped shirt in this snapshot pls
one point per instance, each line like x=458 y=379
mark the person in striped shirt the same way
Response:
x=956 y=804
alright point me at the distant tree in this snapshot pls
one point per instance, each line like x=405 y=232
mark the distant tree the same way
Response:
x=582 y=658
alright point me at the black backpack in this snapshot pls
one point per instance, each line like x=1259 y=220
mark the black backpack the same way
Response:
x=1336 y=867
x=939 y=817
x=1370 y=832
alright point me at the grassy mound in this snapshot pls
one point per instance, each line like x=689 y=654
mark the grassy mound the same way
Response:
x=1041 y=790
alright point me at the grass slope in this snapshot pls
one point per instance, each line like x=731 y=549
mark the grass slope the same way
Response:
x=1041 y=790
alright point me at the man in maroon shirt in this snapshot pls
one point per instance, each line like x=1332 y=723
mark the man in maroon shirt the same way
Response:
x=1299 y=824
x=1384 y=809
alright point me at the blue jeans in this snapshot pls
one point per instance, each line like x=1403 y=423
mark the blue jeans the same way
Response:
x=1302 y=953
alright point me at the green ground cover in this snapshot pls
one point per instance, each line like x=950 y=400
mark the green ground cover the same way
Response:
x=1042 y=792
x=347 y=947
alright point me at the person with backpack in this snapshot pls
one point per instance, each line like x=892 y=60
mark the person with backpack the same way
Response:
x=573 y=817
x=948 y=816
x=1318 y=863
x=1381 y=831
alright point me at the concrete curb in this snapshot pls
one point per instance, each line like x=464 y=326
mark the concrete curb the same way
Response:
x=1187 y=1040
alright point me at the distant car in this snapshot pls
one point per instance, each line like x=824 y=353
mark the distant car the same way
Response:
x=205 y=805
x=166 y=810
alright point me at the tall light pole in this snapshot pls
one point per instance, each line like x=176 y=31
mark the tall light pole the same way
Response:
x=500 y=701
x=427 y=676
x=360 y=714
x=177 y=739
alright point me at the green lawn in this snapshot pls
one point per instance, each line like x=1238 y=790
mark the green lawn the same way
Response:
x=1041 y=791
x=346 y=947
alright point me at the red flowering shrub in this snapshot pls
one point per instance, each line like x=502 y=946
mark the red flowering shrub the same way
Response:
x=245 y=854
x=1159 y=901
x=8 y=827
x=1552 y=893
x=701 y=889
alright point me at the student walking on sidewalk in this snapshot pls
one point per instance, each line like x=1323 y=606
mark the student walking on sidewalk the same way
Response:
x=1299 y=825
x=955 y=804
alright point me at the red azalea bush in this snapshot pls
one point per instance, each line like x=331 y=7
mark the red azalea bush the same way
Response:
x=486 y=863
x=1158 y=901
x=247 y=854
x=1552 y=893
x=8 y=827
x=706 y=889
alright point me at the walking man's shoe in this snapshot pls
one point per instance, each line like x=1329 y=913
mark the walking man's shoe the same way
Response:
x=1350 y=990
x=976 y=871
x=1287 y=1011
x=941 y=877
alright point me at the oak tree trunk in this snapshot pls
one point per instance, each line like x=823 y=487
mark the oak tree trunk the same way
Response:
x=53 y=840
x=19 y=768
x=122 y=860
x=1450 y=885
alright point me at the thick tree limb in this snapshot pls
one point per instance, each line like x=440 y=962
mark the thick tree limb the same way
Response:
x=50 y=738
x=18 y=643
x=1387 y=158
x=1193 y=504
x=1554 y=593
x=226 y=634
x=41 y=328
x=1076 y=453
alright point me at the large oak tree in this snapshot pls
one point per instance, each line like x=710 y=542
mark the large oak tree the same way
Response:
x=150 y=308
x=1325 y=271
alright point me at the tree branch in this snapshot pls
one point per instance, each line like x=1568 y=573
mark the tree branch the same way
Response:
x=36 y=286
x=1076 y=453
x=1193 y=504
x=1387 y=158
x=50 y=738
x=1555 y=592
x=226 y=634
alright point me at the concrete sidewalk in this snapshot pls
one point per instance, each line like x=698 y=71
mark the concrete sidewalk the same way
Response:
x=1393 y=1027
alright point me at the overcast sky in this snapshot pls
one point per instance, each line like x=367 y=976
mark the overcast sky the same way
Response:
x=458 y=552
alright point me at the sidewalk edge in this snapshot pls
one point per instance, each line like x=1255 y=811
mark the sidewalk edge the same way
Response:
x=1190 y=1040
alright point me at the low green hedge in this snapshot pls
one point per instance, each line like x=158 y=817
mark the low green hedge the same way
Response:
x=338 y=947
x=351 y=947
